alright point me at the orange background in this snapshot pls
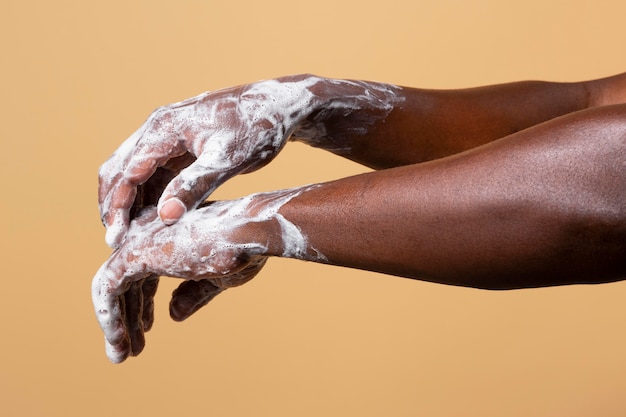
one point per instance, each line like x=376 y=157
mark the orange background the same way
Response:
x=302 y=339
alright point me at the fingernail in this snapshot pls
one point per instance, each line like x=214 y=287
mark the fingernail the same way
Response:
x=172 y=210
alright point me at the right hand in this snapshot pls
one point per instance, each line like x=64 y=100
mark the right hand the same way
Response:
x=200 y=143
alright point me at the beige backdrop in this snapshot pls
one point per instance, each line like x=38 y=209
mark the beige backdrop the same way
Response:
x=302 y=339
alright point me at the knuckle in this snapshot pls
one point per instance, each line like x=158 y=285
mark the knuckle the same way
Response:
x=161 y=118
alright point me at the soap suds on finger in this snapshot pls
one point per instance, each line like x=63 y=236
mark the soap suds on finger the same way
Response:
x=203 y=244
x=235 y=130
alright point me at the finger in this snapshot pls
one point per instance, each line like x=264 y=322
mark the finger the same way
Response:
x=116 y=353
x=188 y=189
x=152 y=189
x=114 y=189
x=117 y=218
x=242 y=276
x=149 y=289
x=109 y=313
x=190 y=296
x=157 y=147
x=134 y=163
x=132 y=300
x=110 y=282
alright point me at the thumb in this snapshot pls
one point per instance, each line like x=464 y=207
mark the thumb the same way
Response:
x=188 y=189
x=190 y=296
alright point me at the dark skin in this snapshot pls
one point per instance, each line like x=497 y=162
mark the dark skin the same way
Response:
x=502 y=187
x=432 y=124
x=540 y=207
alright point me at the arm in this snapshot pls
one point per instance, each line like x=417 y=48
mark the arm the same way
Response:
x=546 y=206
x=428 y=124
x=204 y=141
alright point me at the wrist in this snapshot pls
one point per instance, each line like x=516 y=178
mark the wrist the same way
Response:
x=345 y=110
x=280 y=236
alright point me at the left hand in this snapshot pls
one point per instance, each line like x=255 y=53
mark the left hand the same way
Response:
x=202 y=248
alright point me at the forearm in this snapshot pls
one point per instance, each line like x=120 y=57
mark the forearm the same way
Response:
x=546 y=206
x=382 y=126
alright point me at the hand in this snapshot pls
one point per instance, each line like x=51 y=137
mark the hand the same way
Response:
x=217 y=135
x=202 y=142
x=203 y=247
x=215 y=247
